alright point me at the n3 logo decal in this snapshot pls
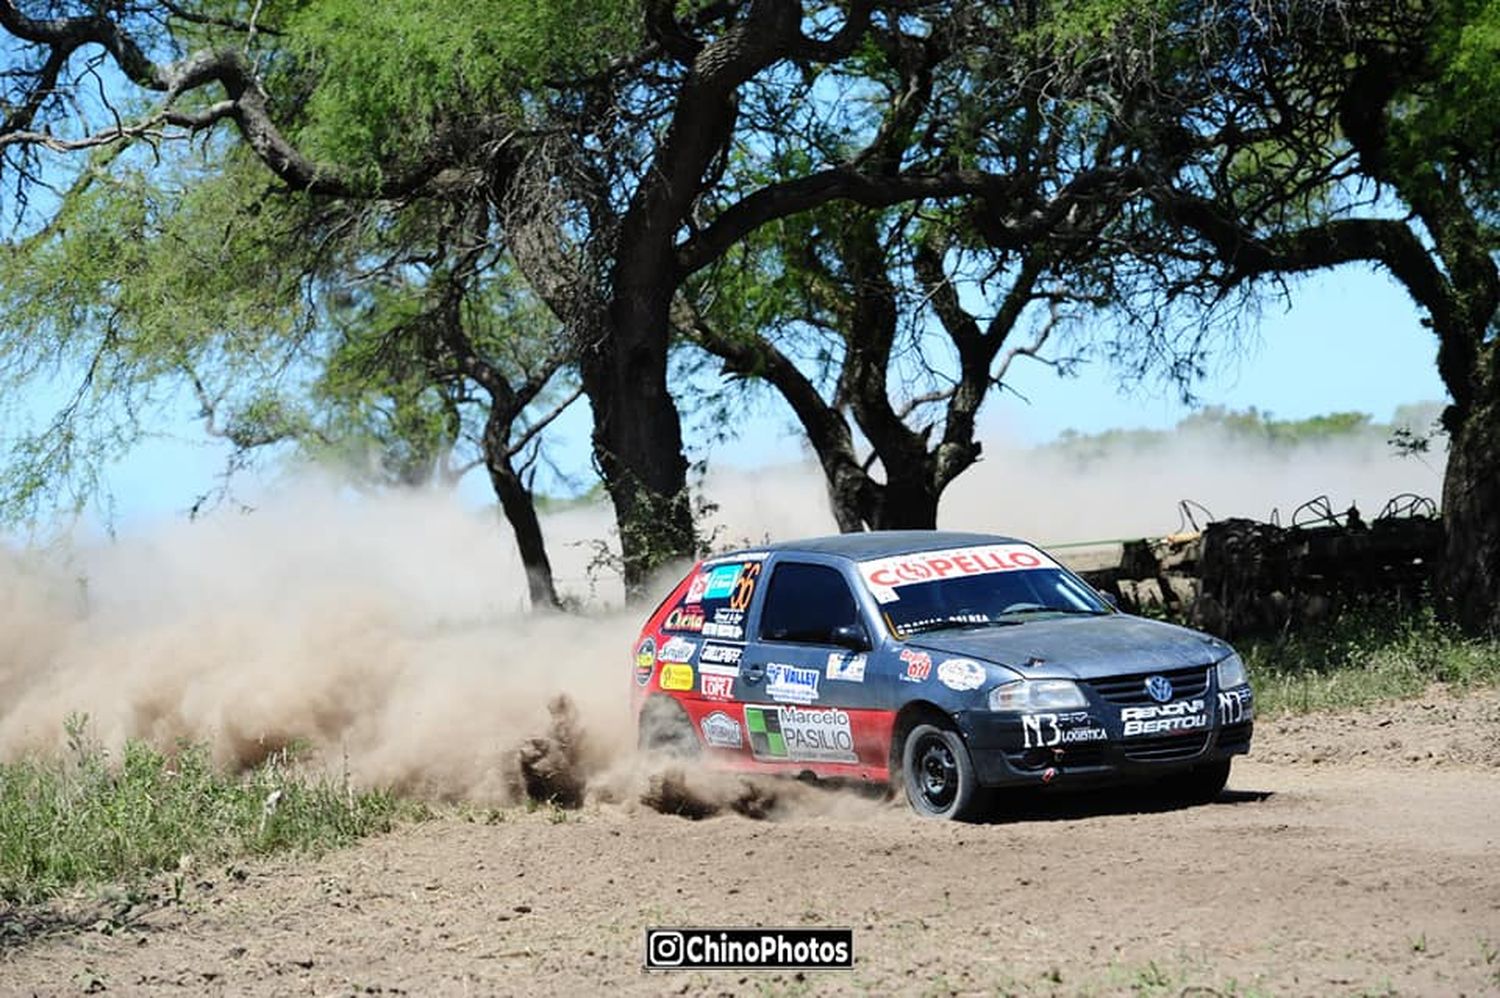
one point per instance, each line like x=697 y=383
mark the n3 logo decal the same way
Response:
x=1232 y=707
x=1040 y=730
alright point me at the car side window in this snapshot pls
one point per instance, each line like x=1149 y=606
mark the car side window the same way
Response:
x=805 y=603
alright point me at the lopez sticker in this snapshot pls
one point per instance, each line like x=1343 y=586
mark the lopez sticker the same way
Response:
x=961 y=674
x=645 y=661
x=716 y=687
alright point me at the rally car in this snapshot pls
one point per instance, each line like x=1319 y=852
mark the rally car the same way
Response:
x=947 y=664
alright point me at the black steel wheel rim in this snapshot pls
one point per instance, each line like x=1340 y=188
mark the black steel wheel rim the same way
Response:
x=936 y=773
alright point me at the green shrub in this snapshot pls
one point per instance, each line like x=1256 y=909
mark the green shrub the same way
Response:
x=1364 y=656
x=84 y=818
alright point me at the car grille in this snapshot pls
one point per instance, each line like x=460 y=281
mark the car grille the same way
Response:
x=1168 y=749
x=1130 y=691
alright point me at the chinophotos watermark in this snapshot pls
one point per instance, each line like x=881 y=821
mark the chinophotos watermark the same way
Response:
x=749 y=949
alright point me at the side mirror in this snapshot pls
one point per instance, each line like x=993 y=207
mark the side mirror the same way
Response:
x=851 y=636
x=1109 y=597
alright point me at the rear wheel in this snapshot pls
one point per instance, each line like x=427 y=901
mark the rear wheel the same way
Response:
x=938 y=773
x=665 y=727
x=1199 y=785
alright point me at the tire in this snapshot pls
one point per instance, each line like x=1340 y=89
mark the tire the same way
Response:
x=1200 y=785
x=664 y=727
x=938 y=774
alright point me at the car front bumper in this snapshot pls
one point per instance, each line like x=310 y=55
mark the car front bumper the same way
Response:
x=1004 y=756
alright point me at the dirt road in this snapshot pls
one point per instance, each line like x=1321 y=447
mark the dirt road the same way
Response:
x=1353 y=854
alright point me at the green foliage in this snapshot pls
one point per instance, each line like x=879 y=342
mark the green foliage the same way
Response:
x=1365 y=656
x=1451 y=111
x=389 y=76
x=88 y=819
x=139 y=286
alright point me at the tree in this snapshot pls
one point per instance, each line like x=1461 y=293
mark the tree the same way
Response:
x=864 y=320
x=1303 y=137
x=602 y=135
x=290 y=323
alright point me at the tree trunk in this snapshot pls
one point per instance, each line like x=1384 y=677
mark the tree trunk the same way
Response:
x=905 y=503
x=520 y=509
x=1470 y=574
x=519 y=506
x=638 y=438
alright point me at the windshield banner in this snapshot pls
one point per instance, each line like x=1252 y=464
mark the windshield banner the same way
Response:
x=885 y=575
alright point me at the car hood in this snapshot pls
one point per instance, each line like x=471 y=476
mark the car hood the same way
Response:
x=1081 y=647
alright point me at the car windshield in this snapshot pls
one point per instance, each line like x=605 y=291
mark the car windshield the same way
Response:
x=994 y=585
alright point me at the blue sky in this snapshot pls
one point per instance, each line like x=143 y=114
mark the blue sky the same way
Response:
x=1351 y=341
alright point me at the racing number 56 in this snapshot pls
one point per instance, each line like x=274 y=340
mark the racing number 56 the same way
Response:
x=744 y=587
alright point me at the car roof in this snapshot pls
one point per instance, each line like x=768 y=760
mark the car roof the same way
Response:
x=878 y=543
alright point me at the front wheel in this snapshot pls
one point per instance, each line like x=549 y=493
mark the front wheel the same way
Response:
x=938 y=774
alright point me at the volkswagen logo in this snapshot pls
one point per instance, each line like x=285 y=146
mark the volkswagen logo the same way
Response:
x=1159 y=688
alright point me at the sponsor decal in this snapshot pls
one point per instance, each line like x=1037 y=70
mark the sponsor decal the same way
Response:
x=729 y=632
x=961 y=674
x=1165 y=718
x=918 y=665
x=723 y=616
x=789 y=682
x=850 y=669
x=645 y=661
x=721 y=581
x=716 y=687
x=800 y=734
x=743 y=556
x=677 y=650
x=1049 y=730
x=696 y=588
x=1234 y=706
x=744 y=587
x=676 y=677
x=721 y=655
x=719 y=670
x=684 y=618
x=885 y=575
x=721 y=731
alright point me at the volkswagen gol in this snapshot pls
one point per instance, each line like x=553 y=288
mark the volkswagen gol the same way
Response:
x=947 y=664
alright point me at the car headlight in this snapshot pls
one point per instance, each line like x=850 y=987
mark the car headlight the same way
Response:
x=1037 y=694
x=1232 y=672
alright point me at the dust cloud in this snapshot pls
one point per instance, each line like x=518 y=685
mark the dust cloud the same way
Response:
x=388 y=634
x=1058 y=495
x=385 y=634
